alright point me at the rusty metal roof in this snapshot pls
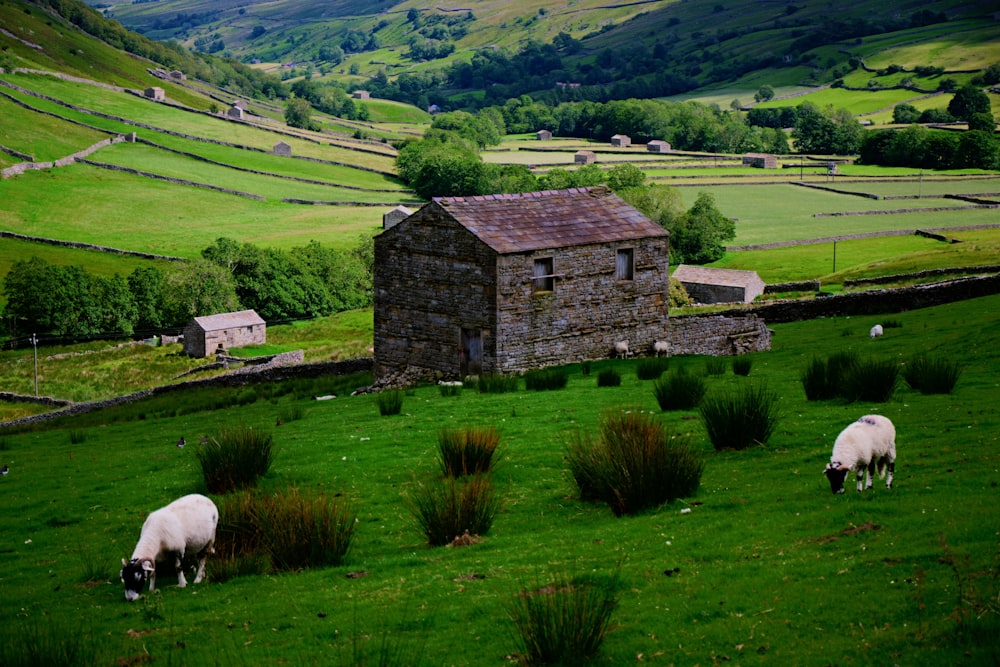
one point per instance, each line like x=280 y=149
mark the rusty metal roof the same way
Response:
x=242 y=318
x=528 y=221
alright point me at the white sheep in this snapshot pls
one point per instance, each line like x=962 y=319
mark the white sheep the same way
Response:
x=186 y=525
x=876 y=331
x=867 y=444
x=661 y=348
x=621 y=349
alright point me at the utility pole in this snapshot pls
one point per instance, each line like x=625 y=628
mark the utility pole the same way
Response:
x=834 y=256
x=34 y=344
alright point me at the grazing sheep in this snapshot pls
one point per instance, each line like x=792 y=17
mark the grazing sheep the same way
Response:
x=186 y=525
x=867 y=444
x=876 y=331
x=621 y=349
x=661 y=348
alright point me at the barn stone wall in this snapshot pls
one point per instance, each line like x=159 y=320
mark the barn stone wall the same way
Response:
x=718 y=335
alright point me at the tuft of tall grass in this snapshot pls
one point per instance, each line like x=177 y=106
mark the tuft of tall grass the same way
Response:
x=290 y=413
x=741 y=418
x=447 y=508
x=390 y=402
x=565 y=622
x=497 y=383
x=4 y=443
x=546 y=379
x=304 y=530
x=715 y=366
x=450 y=389
x=932 y=374
x=467 y=451
x=651 y=368
x=77 y=436
x=32 y=644
x=872 y=380
x=822 y=378
x=635 y=464
x=609 y=377
x=235 y=458
x=679 y=390
x=742 y=365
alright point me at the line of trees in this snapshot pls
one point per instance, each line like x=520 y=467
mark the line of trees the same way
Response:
x=70 y=302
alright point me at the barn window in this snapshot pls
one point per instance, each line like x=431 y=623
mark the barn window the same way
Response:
x=544 y=279
x=624 y=264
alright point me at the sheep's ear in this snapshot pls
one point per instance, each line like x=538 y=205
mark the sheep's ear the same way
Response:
x=124 y=563
x=148 y=566
x=843 y=467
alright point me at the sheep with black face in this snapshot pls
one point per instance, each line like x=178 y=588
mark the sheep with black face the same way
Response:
x=186 y=525
x=866 y=445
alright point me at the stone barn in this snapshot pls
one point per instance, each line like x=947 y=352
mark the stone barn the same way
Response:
x=235 y=112
x=508 y=283
x=211 y=334
x=621 y=141
x=155 y=93
x=585 y=157
x=543 y=135
x=707 y=285
x=760 y=160
x=657 y=146
x=395 y=216
x=361 y=95
x=282 y=148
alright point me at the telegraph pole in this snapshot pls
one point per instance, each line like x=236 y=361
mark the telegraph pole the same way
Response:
x=34 y=344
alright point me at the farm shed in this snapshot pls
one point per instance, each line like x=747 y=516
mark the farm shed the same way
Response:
x=621 y=140
x=155 y=93
x=507 y=283
x=205 y=336
x=585 y=157
x=361 y=95
x=235 y=112
x=395 y=216
x=760 y=160
x=657 y=146
x=706 y=285
x=543 y=135
x=282 y=148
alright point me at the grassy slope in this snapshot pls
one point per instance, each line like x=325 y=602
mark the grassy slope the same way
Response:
x=772 y=568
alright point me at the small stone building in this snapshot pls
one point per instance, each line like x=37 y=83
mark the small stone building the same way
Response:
x=543 y=135
x=208 y=335
x=282 y=148
x=155 y=93
x=235 y=112
x=621 y=141
x=760 y=160
x=241 y=104
x=395 y=216
x=707 y=285
x=361 y=95
x=508 y=283
x=177 y=75
x=585 y=157
x=657 y=146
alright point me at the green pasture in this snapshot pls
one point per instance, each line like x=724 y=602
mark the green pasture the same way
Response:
x=41 y=136
x=855 y=101
x=389 y=111
x=956 y=45
x=767 y=567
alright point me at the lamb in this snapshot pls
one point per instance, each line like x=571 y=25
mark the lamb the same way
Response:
x=867 y=444
x=186 y=525
x=661 y=348
x=876 y=331
x=621 y=349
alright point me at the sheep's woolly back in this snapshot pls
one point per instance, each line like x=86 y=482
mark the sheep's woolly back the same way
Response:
x=872 y=436
x=184 y=526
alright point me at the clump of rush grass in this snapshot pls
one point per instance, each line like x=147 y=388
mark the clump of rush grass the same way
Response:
x=239 y=546
x=302 y=530
x=634 y=464
x=741 y=418
x=742 y=365
x=821 y=378
x=390 y=402
x=290 y=413
x=469 y=451
x=5 y=443
x=30 y=642
x=235 y=458
x=651 y=368
x=715 y=366
x=932 y=374
x=679 y=390
x=77 y=436
x=497 y=383
x=450 y=388
x=448 y=508
x=564 y=622
x=546 y=379
x=609 y=377
x=871 y=380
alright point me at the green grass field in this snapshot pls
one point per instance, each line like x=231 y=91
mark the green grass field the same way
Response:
x=770 y=567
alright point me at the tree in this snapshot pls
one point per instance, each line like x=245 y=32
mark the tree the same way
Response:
x=624 y=176
x=904 y=114
x=764 y=93
x=298 y=113
x=833 y=131
x=978 y=150
x=699 y=236
x=203 y=288
x=968 y=100
x=983 y=122
x=146 y=285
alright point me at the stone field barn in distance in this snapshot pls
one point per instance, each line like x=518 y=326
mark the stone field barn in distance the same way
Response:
x=508 y=283
x=205 y=336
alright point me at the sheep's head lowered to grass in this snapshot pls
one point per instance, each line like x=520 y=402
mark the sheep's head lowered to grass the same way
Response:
x=836 y=473
x=867 y=445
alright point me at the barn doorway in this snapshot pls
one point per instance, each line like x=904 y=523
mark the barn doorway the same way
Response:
x=471 y=352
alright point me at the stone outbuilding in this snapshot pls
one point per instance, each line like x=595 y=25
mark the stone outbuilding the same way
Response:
x=395 y=216
x=155 y=93
x=361 y=95
x=235 y=112
x=543 y=135
x=585 y=157
x=657 y=146
x=205 y=336
x=282 y=148
x=621 y=141
x=508 y=283
x=178 y=75
x=760 y=160
x=708 y=285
